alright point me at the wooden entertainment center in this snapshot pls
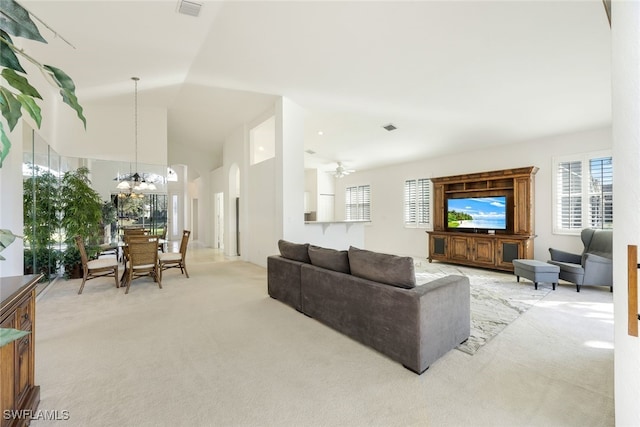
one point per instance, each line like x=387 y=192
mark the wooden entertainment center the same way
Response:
x=493 y=249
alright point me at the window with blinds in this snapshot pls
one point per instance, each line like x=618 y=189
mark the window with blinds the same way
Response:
x=583 y=193
x=358 y=203
x=417 y=201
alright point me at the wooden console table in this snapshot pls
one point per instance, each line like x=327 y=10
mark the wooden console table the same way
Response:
x=19 y=396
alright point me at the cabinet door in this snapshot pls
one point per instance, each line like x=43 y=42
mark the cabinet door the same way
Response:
x=483 y=251
x=7 y=371
x=459 y=248
x=523 y=206
x=24 y=379
x=508 y=250
x=438 y=247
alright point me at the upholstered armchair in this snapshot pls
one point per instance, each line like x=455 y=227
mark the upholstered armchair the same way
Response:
x=593 y=266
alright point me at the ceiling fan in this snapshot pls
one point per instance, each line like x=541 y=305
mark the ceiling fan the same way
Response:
x=341 y=171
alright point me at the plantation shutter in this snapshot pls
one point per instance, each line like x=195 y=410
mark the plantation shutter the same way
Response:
x=584 y=193
x=358 y=203
x=569 y=195
x=364 y=203
x=600 y=209
x=417 y=198
x=423 y=198
x=410 y=202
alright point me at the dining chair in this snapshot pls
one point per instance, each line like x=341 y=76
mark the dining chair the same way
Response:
x=163 y=239
x=134 y=232
x=169 y=260
x=142 y=259
x=91 y=269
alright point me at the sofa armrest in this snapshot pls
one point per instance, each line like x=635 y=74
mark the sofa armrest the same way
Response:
x=283 y=280
x=598 y=270
x=563 y=256
x=445 y=316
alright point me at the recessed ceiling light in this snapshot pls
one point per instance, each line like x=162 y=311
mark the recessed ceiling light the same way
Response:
x=320 y=133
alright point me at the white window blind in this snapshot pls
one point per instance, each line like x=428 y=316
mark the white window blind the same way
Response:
x=417 y=200
x=583 y=193
x=600 y=193
x=358 y=203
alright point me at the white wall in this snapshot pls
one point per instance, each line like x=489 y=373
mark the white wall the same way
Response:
x=199 y=164
x=234 y=157
x=626 y=151
x=262 y=211
x=110 y=135
x=11 y=201
x=387 y=232
x=311 y=190
x=289 y=171
x=216 y=185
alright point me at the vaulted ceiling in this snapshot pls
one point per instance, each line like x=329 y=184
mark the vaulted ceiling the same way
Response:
x=450 y=75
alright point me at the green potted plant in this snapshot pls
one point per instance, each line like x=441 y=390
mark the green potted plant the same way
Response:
x=81 y=209
x=41 y=223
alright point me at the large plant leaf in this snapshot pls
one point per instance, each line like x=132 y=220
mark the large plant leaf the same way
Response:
x=8 y=58
x=20 y=83
x=29 y=104
x=10 y=107
x=67 y=90
x=5 y=145
x=15 y=20
x=6 y=238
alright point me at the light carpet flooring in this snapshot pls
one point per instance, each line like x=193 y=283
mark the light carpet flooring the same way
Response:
x=215 y=350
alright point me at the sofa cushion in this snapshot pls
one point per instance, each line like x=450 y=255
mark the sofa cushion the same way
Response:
x=294 y=251
x=331 y=259
x=384 y=268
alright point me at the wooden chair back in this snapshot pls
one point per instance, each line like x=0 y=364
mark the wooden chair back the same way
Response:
x=83 y=252
x=142 y=256
x=92 y=269
x=184 y=242
x=134 y=232
x=142 y=250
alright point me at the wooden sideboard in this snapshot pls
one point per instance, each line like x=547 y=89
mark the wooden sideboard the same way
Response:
x=496 y=250
x=19 y=396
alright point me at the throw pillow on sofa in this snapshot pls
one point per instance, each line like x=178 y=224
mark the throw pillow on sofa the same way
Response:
x=390 y=269
x=331 y=259
x=294 y=251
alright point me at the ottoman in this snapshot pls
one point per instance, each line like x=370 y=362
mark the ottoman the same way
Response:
x=536 y=271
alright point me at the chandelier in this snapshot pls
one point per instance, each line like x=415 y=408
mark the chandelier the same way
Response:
x=135 y=183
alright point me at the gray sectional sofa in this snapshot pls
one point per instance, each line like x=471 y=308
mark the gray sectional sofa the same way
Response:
x=373 y=298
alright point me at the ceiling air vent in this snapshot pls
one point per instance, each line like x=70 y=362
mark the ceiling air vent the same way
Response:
x=189 y=8
x=390 y=127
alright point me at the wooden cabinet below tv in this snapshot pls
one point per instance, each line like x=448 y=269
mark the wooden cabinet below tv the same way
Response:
x=495 y=251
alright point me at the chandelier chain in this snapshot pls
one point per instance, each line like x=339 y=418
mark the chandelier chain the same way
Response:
x=135 y=118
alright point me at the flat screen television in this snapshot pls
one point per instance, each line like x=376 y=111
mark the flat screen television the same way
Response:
x=477 y=213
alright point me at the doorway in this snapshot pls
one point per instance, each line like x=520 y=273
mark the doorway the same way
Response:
x=218 y=226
